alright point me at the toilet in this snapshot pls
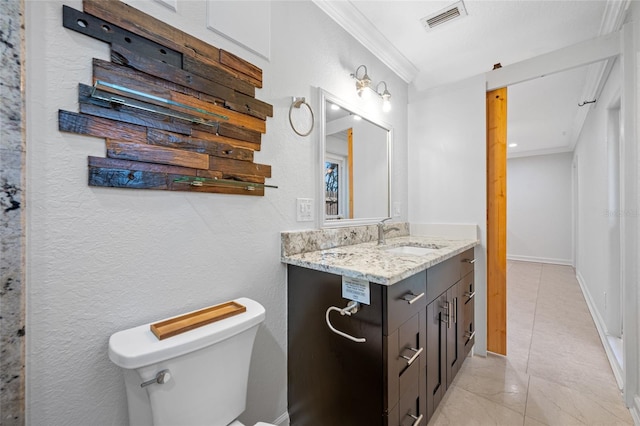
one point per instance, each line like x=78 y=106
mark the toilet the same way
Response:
x=198 y=377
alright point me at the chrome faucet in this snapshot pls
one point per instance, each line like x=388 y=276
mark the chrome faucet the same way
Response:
x=381 y=230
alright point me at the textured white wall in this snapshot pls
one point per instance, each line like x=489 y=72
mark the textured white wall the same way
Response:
x=447 y=169
x=102 y=259
x=539 y=224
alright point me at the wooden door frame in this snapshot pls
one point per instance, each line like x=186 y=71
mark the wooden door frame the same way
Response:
x=497 y=221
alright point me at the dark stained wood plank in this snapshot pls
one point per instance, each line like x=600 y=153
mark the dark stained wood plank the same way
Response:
x=246 y=127
x=231 y=176
x=109 y=33
x=253 y=105
x=203 y=146
x=123 y=56
x=140 y=23
x=147 y=26
x=253 y=72
x=136 y=80
x=114 y=163
x=122 y=178
x=213 y=71
x=154 y=154
x=235 y=118
x=124 y=113
x=99 y=127
x=226 y=165
x=199 y=134
x=235 y=132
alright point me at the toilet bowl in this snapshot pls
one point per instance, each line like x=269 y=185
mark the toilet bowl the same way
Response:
x=198 y=377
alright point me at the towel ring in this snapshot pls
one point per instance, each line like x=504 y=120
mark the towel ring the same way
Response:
x=298 y=102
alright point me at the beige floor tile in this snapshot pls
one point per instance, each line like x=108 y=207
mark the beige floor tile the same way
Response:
x=554 y=404
x=464 y=408
x=496 y=379
x=528 y=421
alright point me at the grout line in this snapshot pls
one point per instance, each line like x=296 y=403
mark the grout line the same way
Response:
x=535 y=313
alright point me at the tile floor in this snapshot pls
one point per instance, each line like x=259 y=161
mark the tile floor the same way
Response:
x=556 y=371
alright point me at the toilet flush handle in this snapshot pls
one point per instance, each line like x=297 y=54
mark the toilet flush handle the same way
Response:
x=161 y=378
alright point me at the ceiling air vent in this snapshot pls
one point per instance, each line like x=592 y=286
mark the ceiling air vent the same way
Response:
x=449 y=13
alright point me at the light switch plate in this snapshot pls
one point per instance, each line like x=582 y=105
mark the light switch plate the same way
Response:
x=304 y=209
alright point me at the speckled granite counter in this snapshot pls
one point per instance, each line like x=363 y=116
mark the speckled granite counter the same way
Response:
x=371 y=262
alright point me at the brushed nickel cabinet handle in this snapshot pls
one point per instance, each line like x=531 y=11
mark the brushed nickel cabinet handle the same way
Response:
x=470 y=294
x=455 y=310
x=471 y=261
x=414 y=357
x=417 y=419
x=412 y=298
x=447 y=312
x=470 y=336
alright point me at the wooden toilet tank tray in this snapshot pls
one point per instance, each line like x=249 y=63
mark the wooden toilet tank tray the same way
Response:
x=186 y=322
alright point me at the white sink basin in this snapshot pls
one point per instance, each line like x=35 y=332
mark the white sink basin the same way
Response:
x=410 y=250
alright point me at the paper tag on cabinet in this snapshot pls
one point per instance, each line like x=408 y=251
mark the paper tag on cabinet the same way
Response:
x=356 y=289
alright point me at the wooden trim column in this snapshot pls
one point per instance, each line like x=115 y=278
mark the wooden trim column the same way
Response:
x=497 y=221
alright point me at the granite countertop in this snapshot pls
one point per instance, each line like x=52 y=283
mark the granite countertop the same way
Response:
x=371 y=262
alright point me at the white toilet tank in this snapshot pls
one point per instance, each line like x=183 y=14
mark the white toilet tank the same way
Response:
x=208 y=369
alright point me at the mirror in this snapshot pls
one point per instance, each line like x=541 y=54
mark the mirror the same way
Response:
x=355 y=163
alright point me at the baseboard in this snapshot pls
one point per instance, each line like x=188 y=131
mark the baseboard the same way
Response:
x=600 y=326
x=283 y=420
x=567 y=262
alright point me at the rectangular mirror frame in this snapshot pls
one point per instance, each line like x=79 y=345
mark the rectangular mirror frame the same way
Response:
x=323 y=97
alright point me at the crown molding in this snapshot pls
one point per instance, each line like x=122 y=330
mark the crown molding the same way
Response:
x=345 y=14
x=543 y=151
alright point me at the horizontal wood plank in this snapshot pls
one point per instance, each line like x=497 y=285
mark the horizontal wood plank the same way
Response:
x=253 y=72
x=230 y=166
x=212 y=174
x=140 y=23
x=110 y=33
x=126 y=114
x=199 y=134
x=99 y=127
x=235 y=118
x=123 y=56
x=140 y=179
x=203 y=146
x=154 y=154
x=114 y=163
x=124 y=178
x=214 y=71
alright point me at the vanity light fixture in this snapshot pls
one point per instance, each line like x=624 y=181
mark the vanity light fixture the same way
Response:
x=365 y=86
x=385 y=95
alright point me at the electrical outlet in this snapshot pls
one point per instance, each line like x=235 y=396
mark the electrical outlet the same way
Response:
x=397 y=209
x=304 y=209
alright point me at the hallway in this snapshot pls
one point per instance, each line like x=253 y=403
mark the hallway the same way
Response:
x=556 y=372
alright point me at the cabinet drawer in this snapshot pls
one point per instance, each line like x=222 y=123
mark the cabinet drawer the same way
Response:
x=410 y=407
x=442 y=276
x=404 y=300
x=467 y=260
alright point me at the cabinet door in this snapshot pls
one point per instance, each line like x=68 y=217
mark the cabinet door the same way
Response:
x=436 y=352
x=455 y=346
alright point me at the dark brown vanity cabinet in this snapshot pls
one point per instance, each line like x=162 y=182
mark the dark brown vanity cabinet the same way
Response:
x=390 y=379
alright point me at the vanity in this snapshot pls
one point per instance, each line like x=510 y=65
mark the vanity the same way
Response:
x=388 y=359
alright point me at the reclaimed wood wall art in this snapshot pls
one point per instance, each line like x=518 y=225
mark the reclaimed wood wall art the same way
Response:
x=176 y=113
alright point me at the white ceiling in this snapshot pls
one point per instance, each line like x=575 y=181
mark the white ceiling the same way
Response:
x=543 y=114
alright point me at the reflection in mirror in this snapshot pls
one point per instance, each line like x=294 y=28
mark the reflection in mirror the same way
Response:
x=355 y=166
